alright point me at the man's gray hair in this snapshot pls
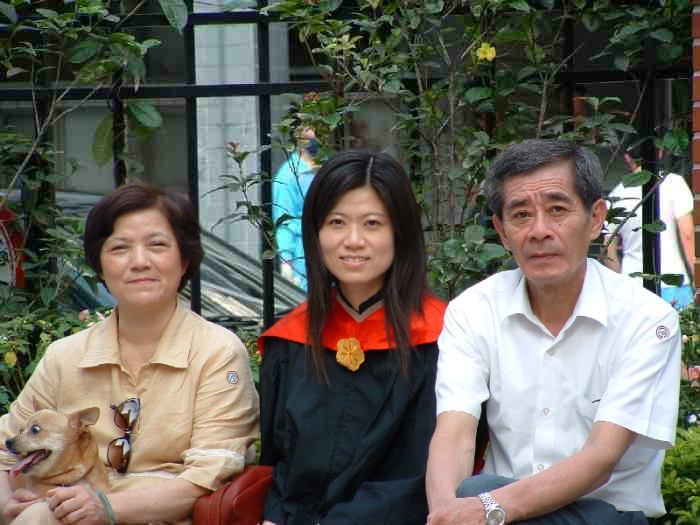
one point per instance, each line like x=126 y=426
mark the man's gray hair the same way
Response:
x=533 y=154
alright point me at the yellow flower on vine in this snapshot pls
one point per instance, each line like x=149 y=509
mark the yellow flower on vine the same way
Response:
x=10 y=359
x=486 y=52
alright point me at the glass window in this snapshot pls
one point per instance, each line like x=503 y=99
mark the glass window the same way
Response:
x=226 y=54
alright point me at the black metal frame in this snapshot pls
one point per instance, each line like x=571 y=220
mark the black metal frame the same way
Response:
x=264 y=89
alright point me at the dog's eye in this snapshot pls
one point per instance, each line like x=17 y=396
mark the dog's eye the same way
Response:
x=35 y=429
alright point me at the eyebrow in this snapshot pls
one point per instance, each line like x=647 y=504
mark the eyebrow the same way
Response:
x=549 y=196
x=364 y=215
x=127 y=239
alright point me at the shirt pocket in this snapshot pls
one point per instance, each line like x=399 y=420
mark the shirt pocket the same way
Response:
x=586 y=409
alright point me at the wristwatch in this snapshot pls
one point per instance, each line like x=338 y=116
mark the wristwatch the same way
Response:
x=495 y=515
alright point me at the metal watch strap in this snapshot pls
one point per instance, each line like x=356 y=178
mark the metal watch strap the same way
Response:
x=491 y=504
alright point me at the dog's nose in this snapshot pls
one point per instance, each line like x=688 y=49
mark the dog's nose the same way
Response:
x=9 y=444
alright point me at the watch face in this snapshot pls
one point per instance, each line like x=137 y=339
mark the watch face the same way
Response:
x=496 y=516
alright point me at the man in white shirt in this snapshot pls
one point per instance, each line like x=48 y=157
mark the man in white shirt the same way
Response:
x=676 y=242
x=579 y=366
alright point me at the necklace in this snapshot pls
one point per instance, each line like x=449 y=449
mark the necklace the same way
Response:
x=126 y=360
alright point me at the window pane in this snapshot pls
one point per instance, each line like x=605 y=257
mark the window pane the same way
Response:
x=226 y=54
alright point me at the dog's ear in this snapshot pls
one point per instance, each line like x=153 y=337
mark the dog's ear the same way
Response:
x=85 y=417
x=37 y=405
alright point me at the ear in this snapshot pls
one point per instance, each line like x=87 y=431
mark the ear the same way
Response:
x=599 y=211
x=85 y=417
x=185 y=265
x=37 y=405
x=498 y=224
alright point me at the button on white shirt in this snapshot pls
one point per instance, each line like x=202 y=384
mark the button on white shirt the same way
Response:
x=617 y=359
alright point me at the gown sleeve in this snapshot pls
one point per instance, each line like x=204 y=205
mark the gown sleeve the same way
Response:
x=395 y=492
x=272 y=421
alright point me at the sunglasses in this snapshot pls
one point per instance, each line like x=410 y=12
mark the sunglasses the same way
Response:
x=119 y=449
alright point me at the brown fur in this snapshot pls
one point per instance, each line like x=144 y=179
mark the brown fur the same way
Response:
x=72 y=453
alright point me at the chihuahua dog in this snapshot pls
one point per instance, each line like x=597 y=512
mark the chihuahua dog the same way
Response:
x=55 y=450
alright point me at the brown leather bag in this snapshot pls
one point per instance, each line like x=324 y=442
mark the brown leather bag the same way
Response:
x=239 y=502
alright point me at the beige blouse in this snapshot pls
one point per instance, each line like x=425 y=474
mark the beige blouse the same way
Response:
x=199 y=407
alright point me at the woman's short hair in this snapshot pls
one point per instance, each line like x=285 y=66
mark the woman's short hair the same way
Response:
x=405 y=283
x=136 y=196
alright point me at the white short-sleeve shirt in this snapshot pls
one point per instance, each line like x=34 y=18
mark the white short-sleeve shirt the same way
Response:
x=617 y=359
x=675 y=201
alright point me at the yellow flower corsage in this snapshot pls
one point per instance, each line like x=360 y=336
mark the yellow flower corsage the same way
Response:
x=349 y=354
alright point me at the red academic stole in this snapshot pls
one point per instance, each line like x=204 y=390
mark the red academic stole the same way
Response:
x=371 y=332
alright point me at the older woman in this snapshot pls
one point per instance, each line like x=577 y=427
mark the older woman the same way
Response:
x=178 y=408
x=347 y=378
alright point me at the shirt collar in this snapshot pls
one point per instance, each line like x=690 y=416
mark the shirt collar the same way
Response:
x=173 y=348
x=591 y=301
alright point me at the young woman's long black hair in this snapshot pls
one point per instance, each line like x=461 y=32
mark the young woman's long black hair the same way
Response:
x=405 y=282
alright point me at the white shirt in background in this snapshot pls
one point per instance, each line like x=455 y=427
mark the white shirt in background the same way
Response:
x=675 y=201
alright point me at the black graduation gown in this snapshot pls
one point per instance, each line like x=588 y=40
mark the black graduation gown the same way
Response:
x=354 y=450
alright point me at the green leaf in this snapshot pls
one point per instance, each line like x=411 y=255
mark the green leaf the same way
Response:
x=474 y=233
x=655 y=227
x=393 y=86
x=84 y=51
x=476 y=94
x=15 y=71
x=144 y=113
x=625 y=128
x=47 y=13
x=176 y=13
x=452 y=248
x=622 y=62
x=671 y=279
x=435 y=7
x=455 y=173
x=136 y=68
x=102 y=142
x=662 y=35
x=47 y=295
x=669 y=53
x=638 y=178
x=9 y=12
x=526 y=72
x=328 y=6
x=590 y=21
x=494 y=251
x=520 y=5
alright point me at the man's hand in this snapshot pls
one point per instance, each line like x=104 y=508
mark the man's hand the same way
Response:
x=459 y=511
x=77 y=505
x=20 y=500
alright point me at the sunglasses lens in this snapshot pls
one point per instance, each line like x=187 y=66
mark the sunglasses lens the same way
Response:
x=119 y=453
x=125 y=414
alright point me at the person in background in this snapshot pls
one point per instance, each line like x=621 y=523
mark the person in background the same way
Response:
x=178 y=407
x=347 y=381
x=289 y=187
x=676 y=242
x=579 y=366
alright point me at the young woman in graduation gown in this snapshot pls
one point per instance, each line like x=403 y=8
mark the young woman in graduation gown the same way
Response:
x=347 y=379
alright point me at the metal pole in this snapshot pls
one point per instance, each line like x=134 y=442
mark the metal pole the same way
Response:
x=192 y=160
x=650 y=208
x=265 y=120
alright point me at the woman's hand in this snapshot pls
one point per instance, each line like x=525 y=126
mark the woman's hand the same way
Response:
x=77 y=504
x=20 y=500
